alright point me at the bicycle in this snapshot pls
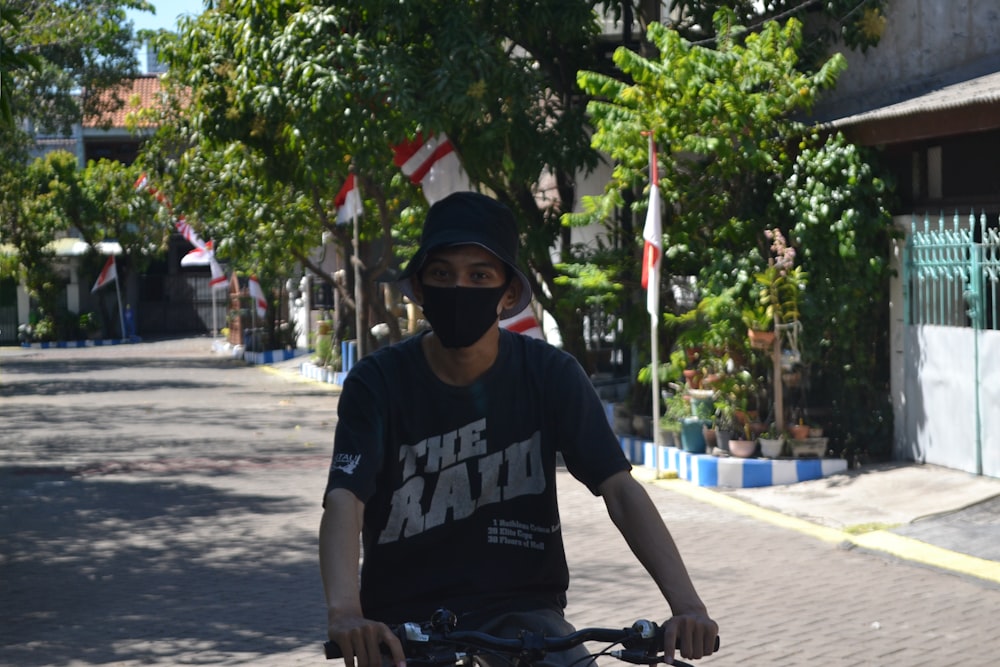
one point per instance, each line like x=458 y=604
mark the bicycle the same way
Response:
x=436 y=643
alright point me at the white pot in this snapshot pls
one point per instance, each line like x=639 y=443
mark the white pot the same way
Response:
x=772 y=447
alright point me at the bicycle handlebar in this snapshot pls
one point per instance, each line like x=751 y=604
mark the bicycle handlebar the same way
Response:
x=437 y=643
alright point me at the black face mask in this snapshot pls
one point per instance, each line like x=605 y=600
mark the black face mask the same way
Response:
x=461 y=315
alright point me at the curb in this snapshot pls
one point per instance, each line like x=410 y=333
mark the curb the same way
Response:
x=730 y=472
x=882 y=541
x=68 y=344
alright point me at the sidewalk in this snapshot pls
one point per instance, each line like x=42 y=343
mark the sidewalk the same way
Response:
x=920 y=513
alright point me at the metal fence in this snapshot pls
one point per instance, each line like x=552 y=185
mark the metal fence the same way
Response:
x=953 y=273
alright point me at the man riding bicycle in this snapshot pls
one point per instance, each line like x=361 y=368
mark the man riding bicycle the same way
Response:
x=444 y=462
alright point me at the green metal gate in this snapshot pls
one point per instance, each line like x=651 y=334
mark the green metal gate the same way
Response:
x=952 y=279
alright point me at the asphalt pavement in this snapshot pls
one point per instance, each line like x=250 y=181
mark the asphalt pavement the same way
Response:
x=159 y=505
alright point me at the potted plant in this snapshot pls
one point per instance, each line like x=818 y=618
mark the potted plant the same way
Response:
x=799 y=431
x=760 y=327
x=743 y=447
x=781 y=283
x=772 y=444
x=726 y=424
x=675 y=408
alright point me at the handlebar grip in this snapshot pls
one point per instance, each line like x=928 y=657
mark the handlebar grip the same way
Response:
x=332 y=651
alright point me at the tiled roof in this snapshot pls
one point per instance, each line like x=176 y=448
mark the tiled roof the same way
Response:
x=142 y=92
x=982 y=90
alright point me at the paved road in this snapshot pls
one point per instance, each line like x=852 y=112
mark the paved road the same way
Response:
x=159 y=506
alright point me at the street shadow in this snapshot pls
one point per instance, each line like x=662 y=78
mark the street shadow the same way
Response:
x=100 y=569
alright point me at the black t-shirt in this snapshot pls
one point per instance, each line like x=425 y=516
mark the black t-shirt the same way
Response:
x=459 y=482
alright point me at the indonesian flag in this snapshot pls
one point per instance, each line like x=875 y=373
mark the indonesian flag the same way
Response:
x=524 y=323
x=203 y=253
x=433 y=164
x=187 y=231
x=652 y=234
x=108 y=274
x=348 y=201
x=199 y=256
x=218 y=279
x=205 y=256
x=257 y=294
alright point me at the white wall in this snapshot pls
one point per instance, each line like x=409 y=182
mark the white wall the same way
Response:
x=925 y=44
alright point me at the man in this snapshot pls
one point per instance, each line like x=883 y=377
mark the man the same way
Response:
x=444 y=461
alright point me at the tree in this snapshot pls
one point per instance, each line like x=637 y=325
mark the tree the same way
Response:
x=858 y=25
x=305 y=92
x=78 y=49
x=56 y=57
x=735 y=163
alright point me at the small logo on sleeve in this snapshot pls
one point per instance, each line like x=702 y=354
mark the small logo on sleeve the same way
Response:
x=346 y=463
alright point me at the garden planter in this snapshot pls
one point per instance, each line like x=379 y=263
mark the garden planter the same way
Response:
x=808 y=448
x=743 y=449
x=761 y=340
x=799 y=432
x=692 y=438
x=772 y=447
x=722 y=438
x=711 y=437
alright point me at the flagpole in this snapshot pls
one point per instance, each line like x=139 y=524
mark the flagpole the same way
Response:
x=118 y=292
x=653 y=304
x=215 y=318
x=358 y=287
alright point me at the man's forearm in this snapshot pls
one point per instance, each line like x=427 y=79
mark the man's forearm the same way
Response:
x=340 y=552
x=640 y=523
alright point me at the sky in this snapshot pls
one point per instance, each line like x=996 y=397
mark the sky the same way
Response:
x=167 y=12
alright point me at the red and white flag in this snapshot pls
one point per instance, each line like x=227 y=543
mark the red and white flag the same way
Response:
x=108 y=274
x=524 y=323
x=203 y=253
x=434 y=164
x=348 y=201
x=218 y=279
x=257 y=294
x=199 y=256
x=652 y=234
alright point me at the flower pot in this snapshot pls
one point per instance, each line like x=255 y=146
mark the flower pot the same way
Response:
x=772 y=447
x=668 y=438
x=722 y=438
x=743 y=449
x=799 y=431
x=808 y=448
x=692 y=438
x=761 y=340
x=711 y=437
x=815 y=432
x=692 y=377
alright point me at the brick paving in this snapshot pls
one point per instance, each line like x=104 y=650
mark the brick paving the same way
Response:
x=159 y=506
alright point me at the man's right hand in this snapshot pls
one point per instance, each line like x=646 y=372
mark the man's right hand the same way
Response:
x=360 y=641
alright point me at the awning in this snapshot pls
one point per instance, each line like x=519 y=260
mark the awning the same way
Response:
x=964 y=107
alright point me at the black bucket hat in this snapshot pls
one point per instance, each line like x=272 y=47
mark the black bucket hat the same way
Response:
x=469 y=217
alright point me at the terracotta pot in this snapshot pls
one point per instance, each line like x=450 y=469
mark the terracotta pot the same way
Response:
x=761 y=340
x=799 y=431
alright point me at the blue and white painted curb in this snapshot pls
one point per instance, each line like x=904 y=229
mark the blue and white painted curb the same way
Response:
x=66 y=344
x=311 y=371
x=270 y=356
x=731 y=472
